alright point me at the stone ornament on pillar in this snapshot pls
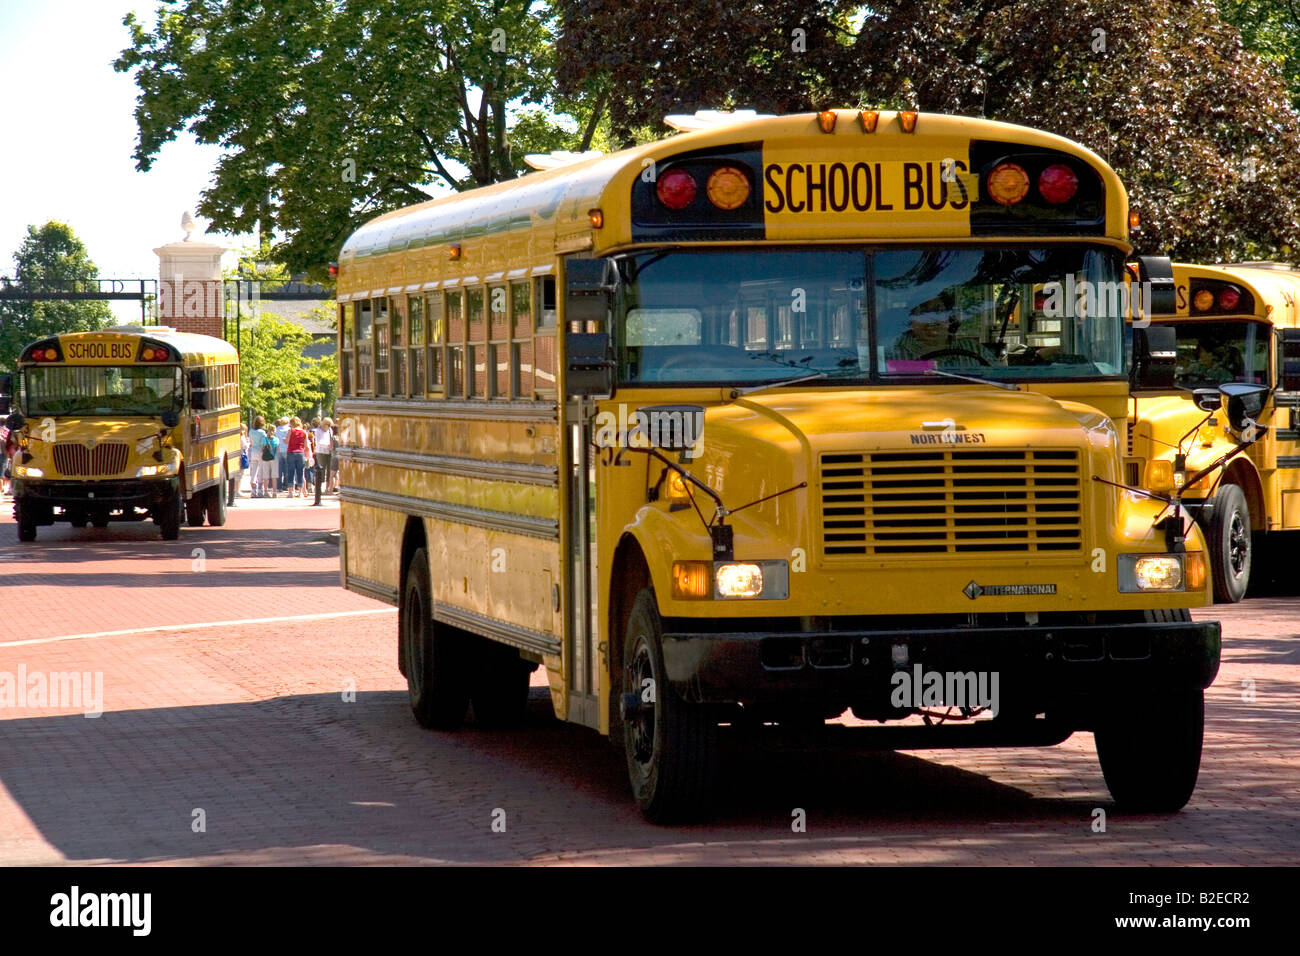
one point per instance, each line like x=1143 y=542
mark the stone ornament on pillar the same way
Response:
x=189 y=283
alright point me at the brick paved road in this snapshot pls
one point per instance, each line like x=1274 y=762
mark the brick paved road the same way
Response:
x=252 y=727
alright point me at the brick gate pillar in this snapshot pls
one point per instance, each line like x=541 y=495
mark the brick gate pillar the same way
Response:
x=189 y=284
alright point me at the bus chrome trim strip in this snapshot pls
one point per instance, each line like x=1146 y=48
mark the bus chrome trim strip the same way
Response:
x=512 y=634
x=458 y=411
x=462 y=467
x=372 y=589
x=480 y=517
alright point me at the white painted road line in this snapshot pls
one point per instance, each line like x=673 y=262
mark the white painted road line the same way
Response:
x=205 y=624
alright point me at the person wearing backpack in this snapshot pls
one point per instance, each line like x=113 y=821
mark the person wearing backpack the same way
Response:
x=261 y=454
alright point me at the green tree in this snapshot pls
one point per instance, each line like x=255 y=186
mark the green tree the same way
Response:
x=276 y=379
x=1200 y=129
x=1270 y=28
x=332 y=112
x=51 y=253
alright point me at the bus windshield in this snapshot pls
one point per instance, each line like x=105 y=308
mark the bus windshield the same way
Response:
x=101 y=390
x=885 y=315
x=1212 y=353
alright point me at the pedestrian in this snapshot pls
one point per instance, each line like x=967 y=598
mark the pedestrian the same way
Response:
x=282 y=456
x=323 y=434
x=243 y=465
x=334 y=457
x=296 y=445
x=261 y=453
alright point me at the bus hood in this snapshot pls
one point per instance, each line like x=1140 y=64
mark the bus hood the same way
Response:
x=1162 y=420
x=93 y=430
x=884 y=419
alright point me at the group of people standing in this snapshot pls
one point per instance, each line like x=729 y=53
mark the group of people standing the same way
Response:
x=281 y=459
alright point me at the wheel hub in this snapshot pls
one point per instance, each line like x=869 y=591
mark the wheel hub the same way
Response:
x=1238 y=546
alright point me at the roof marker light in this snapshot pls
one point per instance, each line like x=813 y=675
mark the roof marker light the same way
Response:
x=869 y=119
x=907 y=120
x=826 y=120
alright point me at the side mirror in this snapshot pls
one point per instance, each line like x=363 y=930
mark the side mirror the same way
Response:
x=198 y=378
x=587 y=291
x=589 y=371
x=15 y=422
x=667 y=427
x=1245 y=403
x=1289 y=360
x=1155 y=352
x=170 y=418
x=1207 y=399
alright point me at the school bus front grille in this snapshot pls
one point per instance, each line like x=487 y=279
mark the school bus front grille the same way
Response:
x=103 y=460
x=950 y=502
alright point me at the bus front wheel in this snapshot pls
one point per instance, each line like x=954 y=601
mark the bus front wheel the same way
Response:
x=670 y=743
x=26 y=522
x=168 y=517
x=1150 y=749
x=1230 y=544
x=194 y=509
x=437 y=679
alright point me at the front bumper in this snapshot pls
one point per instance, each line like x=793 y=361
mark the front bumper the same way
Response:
x=1040 y=668
x=127 y=493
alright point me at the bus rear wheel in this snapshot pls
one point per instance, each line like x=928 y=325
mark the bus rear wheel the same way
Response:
x=437 y=678
x=1230 y=544
x=670 y=743
x=500 y=685
x=194 y=509
x=216 y=500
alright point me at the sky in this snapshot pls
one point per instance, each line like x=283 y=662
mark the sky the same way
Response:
x=70 y=133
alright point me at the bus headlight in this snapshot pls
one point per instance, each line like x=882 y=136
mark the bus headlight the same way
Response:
x=1151 y=572
x=739 y=580
x=153 y=471
x=27 y=471
x=731 y=580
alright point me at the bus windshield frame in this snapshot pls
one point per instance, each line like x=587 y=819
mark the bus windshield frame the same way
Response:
x=101 y=391
x=1014 y=312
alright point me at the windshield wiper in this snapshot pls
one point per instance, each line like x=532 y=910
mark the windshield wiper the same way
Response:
x=973 y=378
x=811 y=377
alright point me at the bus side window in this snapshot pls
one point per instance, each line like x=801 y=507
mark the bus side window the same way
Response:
x=544 y=340
x=436 y=325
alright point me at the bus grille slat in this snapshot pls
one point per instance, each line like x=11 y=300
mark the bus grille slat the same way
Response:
x=104 y=460
x=951 y=502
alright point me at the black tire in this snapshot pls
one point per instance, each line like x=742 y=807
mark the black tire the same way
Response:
x=78 y=521
x=436 y=655
x=195 y=509
x=26 y=522
x=100 y=522
x=1230 y=545
x=499 y=687
x=1151 y=753
x=671 y=745
x=169 y=518
x=216 y=500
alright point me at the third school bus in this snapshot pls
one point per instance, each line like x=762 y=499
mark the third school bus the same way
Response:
x=762 y=422
x=1232 y=323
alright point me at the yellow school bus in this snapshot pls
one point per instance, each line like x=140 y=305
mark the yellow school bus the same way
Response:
x=769 y=420
x=1231 y=323
x=125 y=424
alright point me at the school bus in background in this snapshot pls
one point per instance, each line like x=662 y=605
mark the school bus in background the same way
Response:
x=1231 y=323
x=125 y=424
x=757 y=423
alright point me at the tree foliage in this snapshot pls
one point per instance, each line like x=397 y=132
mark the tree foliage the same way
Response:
x=51 y=253
x=1270 y=28
x=1200 y=128
x=333 y=111
x=276 y=379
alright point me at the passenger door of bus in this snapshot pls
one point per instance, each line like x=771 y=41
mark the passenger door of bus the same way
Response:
x=582 y=622
x=1286 y=427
